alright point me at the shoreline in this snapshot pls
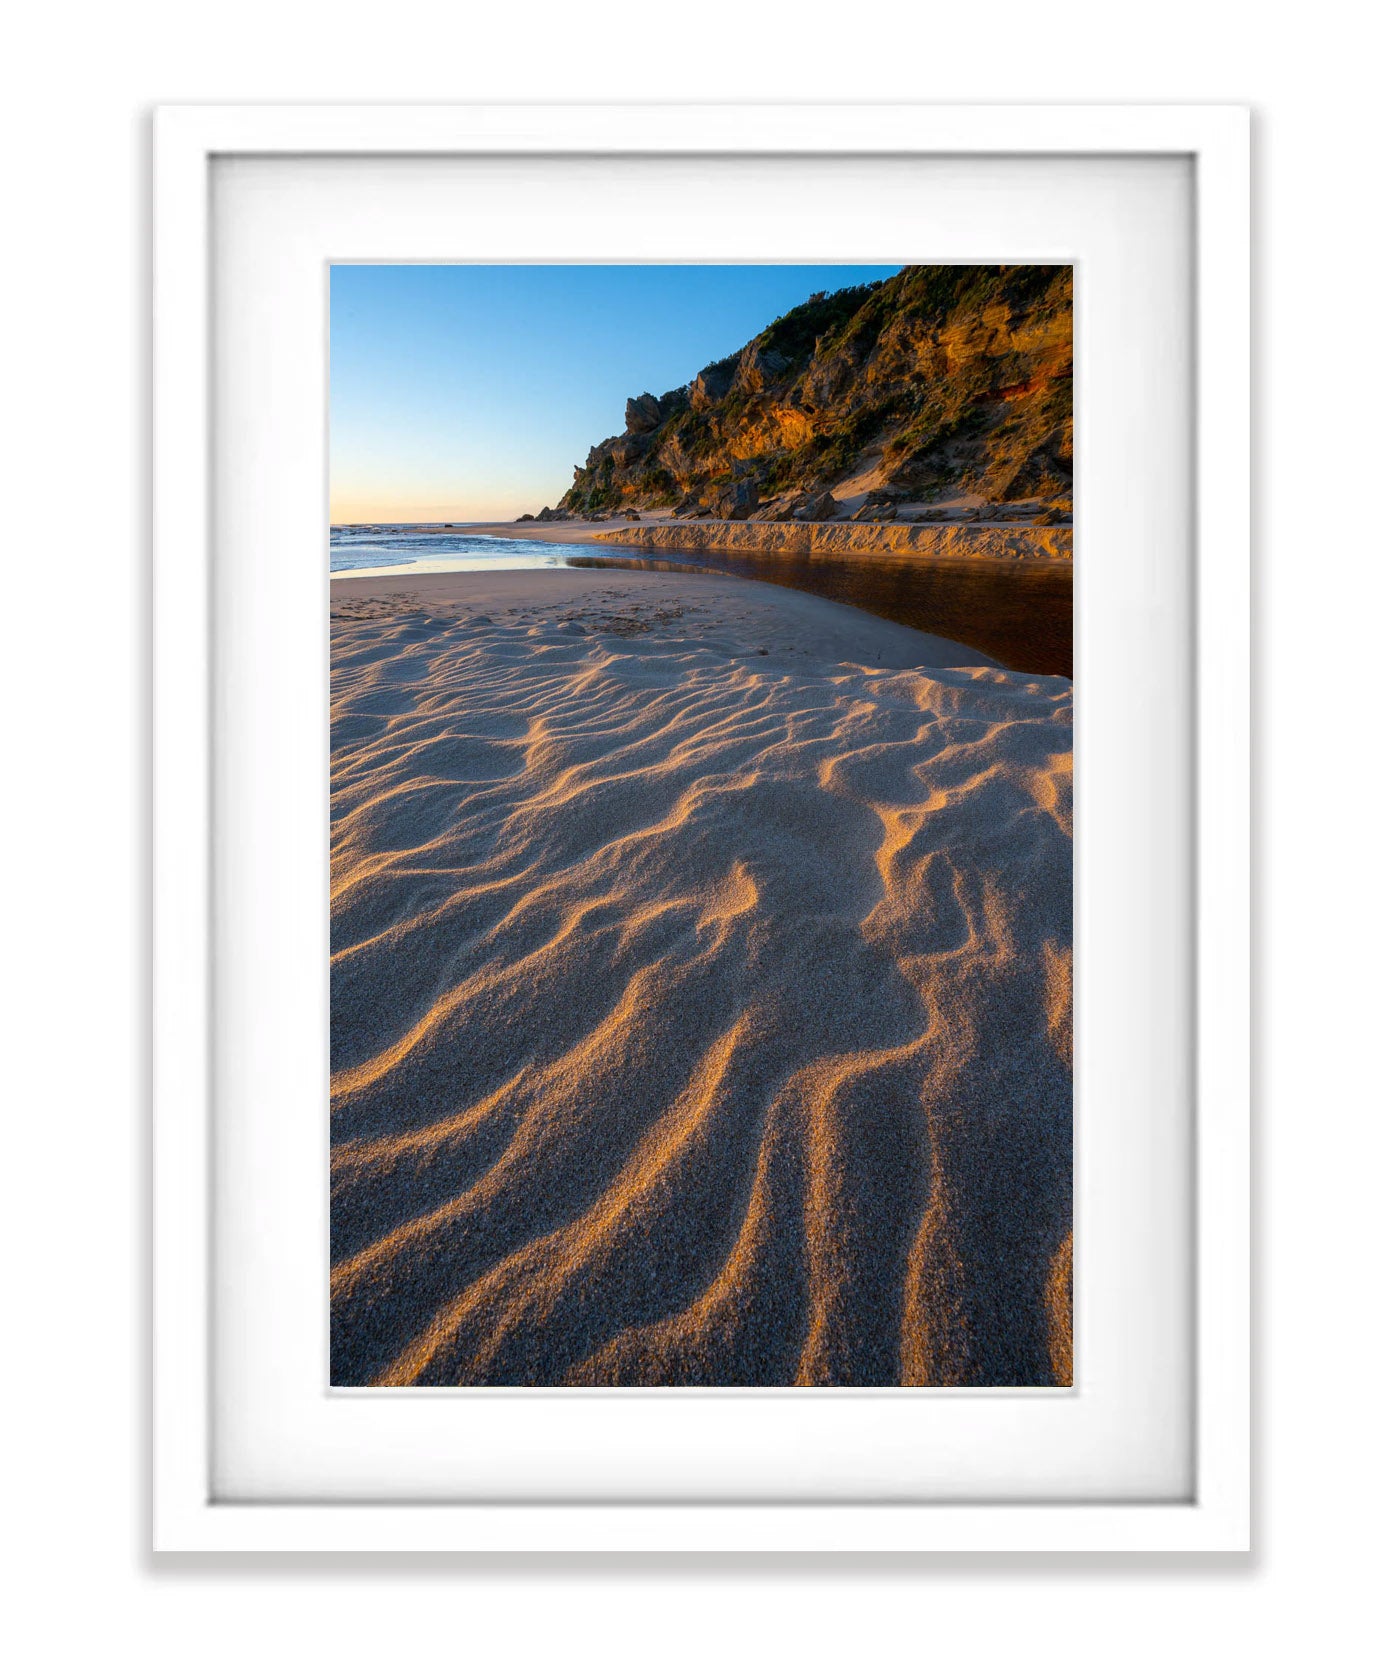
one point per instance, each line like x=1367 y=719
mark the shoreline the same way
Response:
x=744 y=608
x=992 y=541
x=1015 y=609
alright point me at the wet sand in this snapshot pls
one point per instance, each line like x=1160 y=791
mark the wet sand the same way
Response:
x=1020 y=613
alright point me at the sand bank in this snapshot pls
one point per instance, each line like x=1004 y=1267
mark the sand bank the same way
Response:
x=700 y=990
x=984 y=542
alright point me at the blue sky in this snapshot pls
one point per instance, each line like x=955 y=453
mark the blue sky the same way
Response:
x=469 y=392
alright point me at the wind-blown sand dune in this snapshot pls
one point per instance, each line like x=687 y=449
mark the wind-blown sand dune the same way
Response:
x=700 y=991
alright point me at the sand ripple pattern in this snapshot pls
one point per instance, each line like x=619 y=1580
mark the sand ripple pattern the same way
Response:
x=700 y=1014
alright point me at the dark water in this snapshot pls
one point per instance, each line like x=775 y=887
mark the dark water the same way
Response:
x=1021 y=612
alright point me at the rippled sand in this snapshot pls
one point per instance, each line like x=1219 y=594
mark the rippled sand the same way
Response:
x=700 y=991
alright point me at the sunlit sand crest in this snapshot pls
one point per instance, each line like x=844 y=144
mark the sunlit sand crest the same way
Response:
x=700 y=991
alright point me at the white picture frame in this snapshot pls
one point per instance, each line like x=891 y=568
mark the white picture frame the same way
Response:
x=1214 y=1515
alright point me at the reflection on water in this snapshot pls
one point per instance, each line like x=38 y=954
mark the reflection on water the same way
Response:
x=1021 y=612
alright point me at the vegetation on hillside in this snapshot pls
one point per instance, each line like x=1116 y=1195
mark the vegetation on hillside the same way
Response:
x=940 y=382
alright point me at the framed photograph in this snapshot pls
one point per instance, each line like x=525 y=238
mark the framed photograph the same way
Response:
x=701 y=828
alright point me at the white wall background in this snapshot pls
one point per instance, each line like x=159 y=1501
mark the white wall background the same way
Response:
x=74 y=307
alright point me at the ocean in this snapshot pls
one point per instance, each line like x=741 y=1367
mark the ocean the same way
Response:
x=356 y=547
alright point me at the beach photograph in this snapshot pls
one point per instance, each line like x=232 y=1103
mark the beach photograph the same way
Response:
x=700 y=824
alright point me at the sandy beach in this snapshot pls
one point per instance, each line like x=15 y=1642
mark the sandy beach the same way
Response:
x=700 y=990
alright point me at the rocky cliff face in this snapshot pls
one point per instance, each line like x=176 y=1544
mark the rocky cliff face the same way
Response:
x=937 y=385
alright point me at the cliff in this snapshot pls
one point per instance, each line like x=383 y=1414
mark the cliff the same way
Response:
x=937 y=386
